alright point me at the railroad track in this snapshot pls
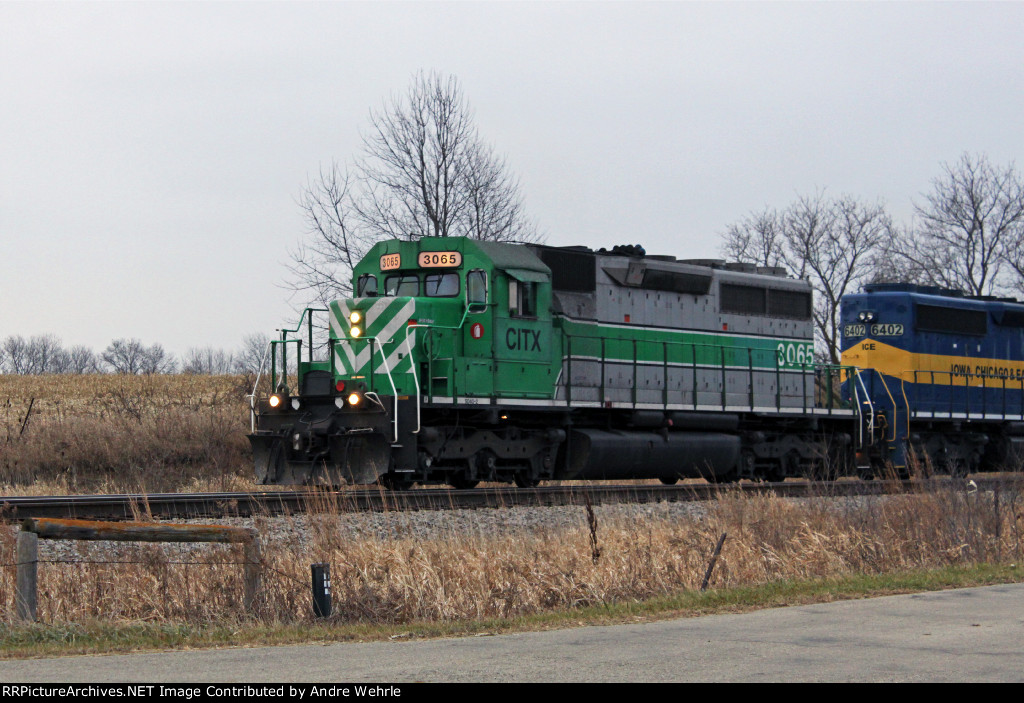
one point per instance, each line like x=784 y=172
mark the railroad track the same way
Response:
x=194 y=505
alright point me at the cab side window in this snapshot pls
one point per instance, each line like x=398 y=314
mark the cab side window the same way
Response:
x=367 y=286
x=522 y=298
x=476 y=290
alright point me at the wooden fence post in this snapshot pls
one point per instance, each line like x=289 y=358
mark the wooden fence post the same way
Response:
x=711 y=564
x=26 y=577
x=253 y=575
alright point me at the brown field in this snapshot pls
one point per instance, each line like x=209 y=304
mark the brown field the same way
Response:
x=113 y=433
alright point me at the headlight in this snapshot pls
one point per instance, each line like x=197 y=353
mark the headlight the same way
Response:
x=275 y=401
x=295 y=404
x=355 y=317
x=355 y=331
x=354 y=399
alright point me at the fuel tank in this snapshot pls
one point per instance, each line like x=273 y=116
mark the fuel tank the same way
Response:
x=593 y=454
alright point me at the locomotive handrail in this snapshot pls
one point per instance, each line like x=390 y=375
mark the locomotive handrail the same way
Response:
x=271 y=352
x=691 y=354
x=307 y=314
x=394 y=389
x=387 y=371
x=283 y=343
x=970 y=380
x=255 y=388
x=860 y=411
x=416 y=384
x=893 y=400
x=903 y=389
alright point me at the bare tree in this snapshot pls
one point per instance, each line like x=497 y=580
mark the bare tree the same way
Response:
x=969 y=228
x=252 y=354
x=156 y=360
x=494 y=206
x=323 y=262
x=423 y=172
x=16 y=355
x=59 y=361
x=208 y=360
x=415 y=162
x=130 y=356
x=124 y=356
x=15 y=359
x=756 y=239
x=830 y=242
x=44 y=354
x=82 y=359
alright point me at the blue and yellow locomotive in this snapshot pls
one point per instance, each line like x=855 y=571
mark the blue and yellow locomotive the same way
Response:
x=941 y=377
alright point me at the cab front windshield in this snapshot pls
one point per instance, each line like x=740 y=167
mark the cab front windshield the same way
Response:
x=435 y=285
x=402 y=286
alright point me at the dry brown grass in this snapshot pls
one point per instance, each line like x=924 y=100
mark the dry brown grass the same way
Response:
x=457 y=576
x=110 y=433
x=113 y=434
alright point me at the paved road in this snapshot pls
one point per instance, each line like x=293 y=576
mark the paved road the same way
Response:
x=974 y=634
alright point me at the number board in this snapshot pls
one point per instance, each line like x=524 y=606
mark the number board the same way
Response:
x=893 y=329
x=439 y=259
x=390 y=262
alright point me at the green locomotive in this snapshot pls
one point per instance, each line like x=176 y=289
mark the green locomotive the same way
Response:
x=461 y=361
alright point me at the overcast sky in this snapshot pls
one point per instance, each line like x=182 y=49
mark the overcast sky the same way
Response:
x=151 y=154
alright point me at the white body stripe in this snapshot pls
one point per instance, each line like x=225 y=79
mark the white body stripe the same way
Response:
x=353 y=362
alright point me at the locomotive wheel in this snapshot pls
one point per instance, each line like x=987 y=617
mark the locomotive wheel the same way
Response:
x=394 y=482
x=727 y=477
x=523 y=480
x=967 y=465
x=747 y=466
x=824 y=470
x=775 y=473
x=461 y=482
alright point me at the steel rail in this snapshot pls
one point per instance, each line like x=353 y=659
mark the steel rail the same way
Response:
x=194 y=505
